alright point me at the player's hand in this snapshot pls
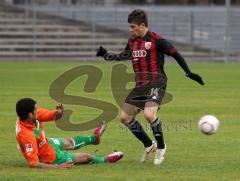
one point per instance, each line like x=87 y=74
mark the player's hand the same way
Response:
x=101 y=52
x=195 y=77
x=59 y=111
x=65 y=165
x=59 y=106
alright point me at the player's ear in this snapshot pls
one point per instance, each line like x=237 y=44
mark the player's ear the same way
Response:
x=142 y=25
x=30 y=115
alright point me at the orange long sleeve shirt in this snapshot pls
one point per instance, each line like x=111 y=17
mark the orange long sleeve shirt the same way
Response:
x=32 y=141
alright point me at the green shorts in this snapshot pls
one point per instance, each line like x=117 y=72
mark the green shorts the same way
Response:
x=61 y=156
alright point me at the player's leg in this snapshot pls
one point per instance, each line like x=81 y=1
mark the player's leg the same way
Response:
x=77 y=142
x=80 y=141
x=81 y=158
x=150 y=113
x=128 y=115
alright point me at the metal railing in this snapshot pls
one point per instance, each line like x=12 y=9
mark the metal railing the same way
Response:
x=198 y=31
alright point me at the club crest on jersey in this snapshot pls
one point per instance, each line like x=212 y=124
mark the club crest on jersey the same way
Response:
x=148 y=45
x=29 y=148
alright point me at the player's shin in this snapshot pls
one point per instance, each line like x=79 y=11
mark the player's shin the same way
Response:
x=80 y=141
x=158 y=133
x=111 y=158
x=136 y=128
x=97 y=160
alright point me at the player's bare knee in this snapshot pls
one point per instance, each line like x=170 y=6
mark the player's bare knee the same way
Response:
x=87 y=158
x=68 y=144
x=71 y=143
x=125 y=118
x=150 y=115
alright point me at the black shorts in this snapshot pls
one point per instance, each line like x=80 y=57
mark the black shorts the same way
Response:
x=147 y=93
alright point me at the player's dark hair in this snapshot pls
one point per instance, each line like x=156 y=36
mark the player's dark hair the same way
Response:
x=24 y=107
x=138 y=16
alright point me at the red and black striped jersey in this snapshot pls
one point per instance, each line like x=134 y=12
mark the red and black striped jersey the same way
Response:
x=148 y=56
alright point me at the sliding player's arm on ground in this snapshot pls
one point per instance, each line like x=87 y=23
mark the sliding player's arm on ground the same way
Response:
x=168 y=49
x=45 y=115
x=29 y=148
x=124 y=55
x=49 y=166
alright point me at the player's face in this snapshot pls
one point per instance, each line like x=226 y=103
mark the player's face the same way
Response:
x=136 y=30
x=33 y=116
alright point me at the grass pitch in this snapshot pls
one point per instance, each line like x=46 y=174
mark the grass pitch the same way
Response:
x=190 y=154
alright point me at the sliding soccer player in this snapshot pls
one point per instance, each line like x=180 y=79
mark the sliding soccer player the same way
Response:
x=42 y=152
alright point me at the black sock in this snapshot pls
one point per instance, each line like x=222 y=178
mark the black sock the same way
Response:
x=136 y=128
x=158 y=133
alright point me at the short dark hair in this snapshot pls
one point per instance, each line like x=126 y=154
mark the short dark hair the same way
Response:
x=24 y=107
x=138 y=16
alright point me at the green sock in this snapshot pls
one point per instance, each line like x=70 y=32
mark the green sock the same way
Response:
x=80 y=141
x=97 y=160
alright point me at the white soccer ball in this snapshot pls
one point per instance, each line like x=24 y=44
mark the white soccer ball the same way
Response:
x=208 y=124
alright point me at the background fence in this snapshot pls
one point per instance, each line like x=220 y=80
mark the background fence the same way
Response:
x=70 y=30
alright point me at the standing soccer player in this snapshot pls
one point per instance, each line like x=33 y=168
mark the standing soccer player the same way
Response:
x=147 y=50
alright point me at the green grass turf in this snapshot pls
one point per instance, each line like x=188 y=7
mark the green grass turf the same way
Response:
x=190 y=154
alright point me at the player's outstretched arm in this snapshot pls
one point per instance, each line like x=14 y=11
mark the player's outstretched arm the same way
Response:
x=167 y=48
x=49 y=166
x=45 y=115
x=178 y=57
x=125 y=55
